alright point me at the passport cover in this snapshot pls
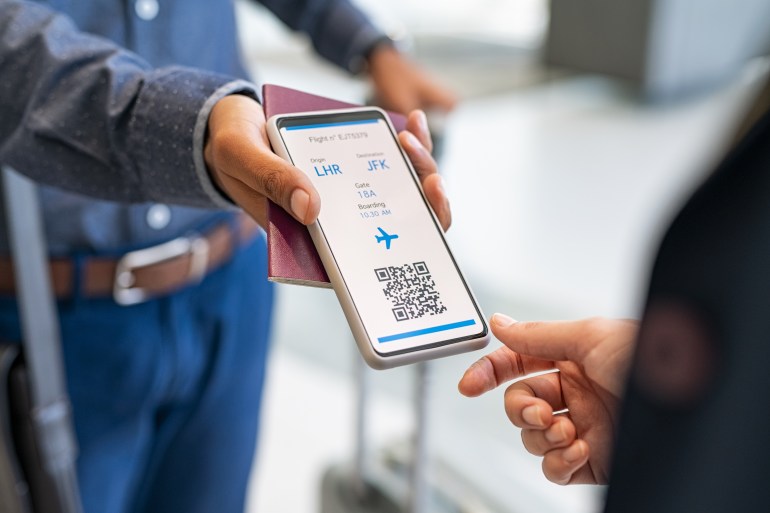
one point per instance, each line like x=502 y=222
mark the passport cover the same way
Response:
x=291 y=254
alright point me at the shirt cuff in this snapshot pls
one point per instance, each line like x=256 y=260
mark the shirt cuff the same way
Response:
x=167 y=133
x=199 y=139
x=363 y=47
x=344 y=35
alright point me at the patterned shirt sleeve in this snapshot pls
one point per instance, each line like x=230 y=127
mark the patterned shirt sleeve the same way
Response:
x=80 y=113
x=340 y=32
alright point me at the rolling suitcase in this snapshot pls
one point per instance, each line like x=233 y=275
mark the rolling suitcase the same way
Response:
x=399 y=478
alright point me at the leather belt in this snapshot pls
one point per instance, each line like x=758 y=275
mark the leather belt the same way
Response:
x=145 y=273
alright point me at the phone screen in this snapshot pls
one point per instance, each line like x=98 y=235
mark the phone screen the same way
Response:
x=388 y=247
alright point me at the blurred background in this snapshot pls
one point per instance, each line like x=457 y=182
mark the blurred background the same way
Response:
x=583 y=125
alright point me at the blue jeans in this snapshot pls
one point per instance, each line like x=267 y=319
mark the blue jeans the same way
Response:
x=166 y=394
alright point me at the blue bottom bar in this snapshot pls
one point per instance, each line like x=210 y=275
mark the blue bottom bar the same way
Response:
x=434 y=329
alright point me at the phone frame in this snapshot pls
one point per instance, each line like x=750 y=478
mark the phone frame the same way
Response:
x=374 y=358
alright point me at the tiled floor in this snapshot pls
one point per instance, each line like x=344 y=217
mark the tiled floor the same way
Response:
x=559 y=189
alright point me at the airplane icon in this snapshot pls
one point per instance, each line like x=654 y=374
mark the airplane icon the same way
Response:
x=385 y=237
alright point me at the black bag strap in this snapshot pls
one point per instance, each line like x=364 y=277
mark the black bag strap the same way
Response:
x=51 y=412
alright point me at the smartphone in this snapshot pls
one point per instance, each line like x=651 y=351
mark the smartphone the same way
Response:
x=382 y=246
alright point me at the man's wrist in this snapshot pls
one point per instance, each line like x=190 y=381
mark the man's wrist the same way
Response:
x=362 y=63
x=206 y=179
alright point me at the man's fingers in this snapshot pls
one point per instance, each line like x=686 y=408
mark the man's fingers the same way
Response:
x=561 y=465
x=560 y=434
x=287 y=186
x=254 y=165
x=427 y=170
x=433 y=186
x=252 y=202
x=417 y=124
x=497 y=368
x=418 y=153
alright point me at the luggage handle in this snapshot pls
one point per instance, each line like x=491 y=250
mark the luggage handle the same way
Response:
x=51 y=413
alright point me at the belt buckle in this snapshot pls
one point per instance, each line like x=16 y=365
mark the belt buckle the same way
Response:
x=125 y=293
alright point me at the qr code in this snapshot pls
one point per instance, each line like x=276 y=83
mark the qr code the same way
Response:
x=411 y=290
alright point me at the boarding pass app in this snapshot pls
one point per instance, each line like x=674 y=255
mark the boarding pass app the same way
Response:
x=389 y=248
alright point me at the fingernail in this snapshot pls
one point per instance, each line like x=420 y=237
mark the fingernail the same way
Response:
x=422 y=120
x=502 y=320
x=531 y=415
x=414 y=142
x=555 y=433
x=300 y=201
x=574 y=453
x=441 y=185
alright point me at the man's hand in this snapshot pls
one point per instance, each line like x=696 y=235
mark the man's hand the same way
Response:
x=401 y=86
x=593 y=357
x=241 y=163
x=418 y=146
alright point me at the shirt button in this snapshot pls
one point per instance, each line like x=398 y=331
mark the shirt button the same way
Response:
x=147 y=9
x=158 y=216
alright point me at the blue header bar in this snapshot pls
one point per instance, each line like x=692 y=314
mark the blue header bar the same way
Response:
x=327 y=125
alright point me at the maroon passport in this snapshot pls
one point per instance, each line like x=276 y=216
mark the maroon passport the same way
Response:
x=291 y=255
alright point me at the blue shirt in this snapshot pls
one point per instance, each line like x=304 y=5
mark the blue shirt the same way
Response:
x=106 y=103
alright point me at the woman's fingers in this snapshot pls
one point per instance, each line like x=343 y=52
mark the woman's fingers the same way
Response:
x=560 y=434
x=564 y=466
x=530 y=403
x=496 y=368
